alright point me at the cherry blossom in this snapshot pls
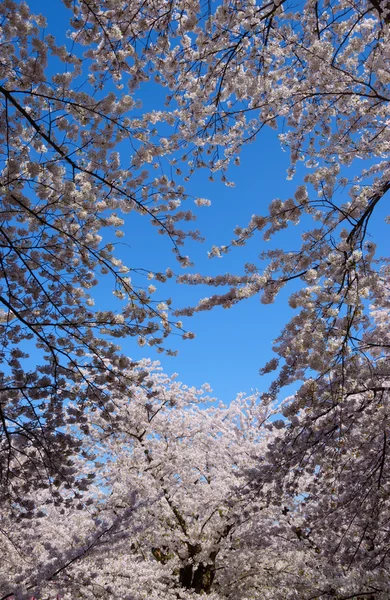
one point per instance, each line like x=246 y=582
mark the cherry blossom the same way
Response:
x=129 y=487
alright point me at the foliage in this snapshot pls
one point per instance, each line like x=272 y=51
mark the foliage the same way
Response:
x=225 y=501
x=171 y=514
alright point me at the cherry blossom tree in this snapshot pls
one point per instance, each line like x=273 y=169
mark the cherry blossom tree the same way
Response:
x=318 y=71
x=165 y=518
x=172 y=513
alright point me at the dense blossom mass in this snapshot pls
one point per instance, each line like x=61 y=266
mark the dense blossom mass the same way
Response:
x=115 y=480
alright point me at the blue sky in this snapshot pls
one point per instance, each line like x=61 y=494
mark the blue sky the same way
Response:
x=230 y=345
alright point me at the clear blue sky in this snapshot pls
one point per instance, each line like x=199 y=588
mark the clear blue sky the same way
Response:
x=230 y=345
